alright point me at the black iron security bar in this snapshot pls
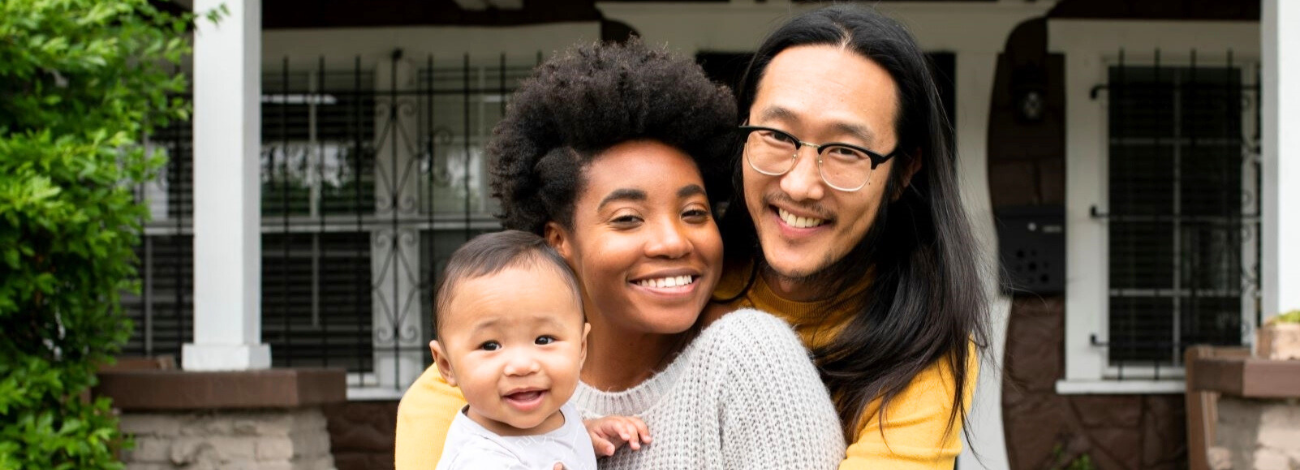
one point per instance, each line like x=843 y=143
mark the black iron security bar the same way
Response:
x=368 y=186
x=1182 y=184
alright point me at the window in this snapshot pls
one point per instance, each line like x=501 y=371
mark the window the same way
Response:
x=1177 y=221
x=371 y=176
x=1162 y=231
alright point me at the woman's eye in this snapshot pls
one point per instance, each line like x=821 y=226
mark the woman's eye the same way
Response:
x=490 y=346
x=544 y=340
x=695 y=214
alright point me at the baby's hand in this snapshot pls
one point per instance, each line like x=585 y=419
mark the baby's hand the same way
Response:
x=610 y=432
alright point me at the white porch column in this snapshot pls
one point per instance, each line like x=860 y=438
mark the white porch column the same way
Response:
x=227 y=191
x=974 y=76
x=1280 y=48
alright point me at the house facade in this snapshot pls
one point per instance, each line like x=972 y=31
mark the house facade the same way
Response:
x=1114 y=157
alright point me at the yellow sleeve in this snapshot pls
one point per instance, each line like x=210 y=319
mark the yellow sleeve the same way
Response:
x=423 y=418
x=914 y=437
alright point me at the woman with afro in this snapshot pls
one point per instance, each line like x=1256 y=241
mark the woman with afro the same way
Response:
x=609 y=152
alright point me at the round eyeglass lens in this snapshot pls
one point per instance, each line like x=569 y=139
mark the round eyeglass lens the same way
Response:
x=770 y=152
x=845 y=168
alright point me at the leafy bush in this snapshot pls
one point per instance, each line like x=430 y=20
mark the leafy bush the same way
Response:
x=81 y=81
x=1288 y=317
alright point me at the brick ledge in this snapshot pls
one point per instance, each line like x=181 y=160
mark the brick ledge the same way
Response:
x=161 y=390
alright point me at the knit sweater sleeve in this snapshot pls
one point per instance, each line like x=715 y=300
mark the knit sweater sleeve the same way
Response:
x=775 y=412
x=423 y=418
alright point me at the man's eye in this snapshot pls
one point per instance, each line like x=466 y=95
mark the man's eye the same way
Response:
x=490 y=346
x=544 y=340
x=847 y=154
x=778 y=137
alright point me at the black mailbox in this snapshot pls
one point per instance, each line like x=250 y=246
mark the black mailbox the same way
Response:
x=1031 y=248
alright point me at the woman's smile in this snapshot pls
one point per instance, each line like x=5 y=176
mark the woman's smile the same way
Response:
x=643 y=239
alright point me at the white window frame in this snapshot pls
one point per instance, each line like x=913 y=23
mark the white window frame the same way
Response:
x=1090 y=48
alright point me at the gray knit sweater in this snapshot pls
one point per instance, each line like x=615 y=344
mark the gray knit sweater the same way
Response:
x=743 y=395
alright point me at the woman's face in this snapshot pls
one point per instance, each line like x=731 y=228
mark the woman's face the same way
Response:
x=643 y=240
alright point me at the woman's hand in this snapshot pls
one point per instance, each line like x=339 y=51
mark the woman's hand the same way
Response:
x=610 y=432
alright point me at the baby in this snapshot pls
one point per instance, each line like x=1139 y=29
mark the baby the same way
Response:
x=512 y=336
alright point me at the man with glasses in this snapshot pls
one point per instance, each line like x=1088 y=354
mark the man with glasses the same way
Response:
x=847 y=223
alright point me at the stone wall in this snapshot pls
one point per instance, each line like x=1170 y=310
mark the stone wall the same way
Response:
x=293 y=439
x=1045 y=430
x=1256 y=435
x=361 y=433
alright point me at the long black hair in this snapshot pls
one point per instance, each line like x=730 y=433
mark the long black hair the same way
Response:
x=925 y=302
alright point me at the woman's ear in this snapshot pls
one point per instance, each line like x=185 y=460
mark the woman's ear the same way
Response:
x=559 y=239
x=586 y=328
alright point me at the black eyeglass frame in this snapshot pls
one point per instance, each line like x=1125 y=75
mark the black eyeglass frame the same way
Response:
x=876 y=158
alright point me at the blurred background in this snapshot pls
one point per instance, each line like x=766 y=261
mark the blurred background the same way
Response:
x=1109 y=151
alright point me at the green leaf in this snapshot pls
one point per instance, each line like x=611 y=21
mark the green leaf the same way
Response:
x=85 y=72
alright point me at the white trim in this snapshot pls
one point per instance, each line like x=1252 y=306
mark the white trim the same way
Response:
x=741 y=26
x=374 y=394
x=974 y=75
x=1090 y=46
x=448 y=44
x=1118 y=387
x=1280 y=113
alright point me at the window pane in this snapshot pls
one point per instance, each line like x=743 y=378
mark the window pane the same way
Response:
x=1141 y=102
x=316 y=299
x=1176 y=225
x=1210 y=320
x=1211 y=180
x=1210 y=103
x=1141 y=179
x=1141 y=330
x=318 y=132
x=1141 y=255
x=1211 y=257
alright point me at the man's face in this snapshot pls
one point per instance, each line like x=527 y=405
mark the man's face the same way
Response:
x=819 y=94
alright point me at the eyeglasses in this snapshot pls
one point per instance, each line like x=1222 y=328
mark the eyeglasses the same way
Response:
x=845 y=167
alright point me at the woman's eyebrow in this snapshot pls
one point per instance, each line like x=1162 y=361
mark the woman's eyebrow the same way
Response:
x=690 y=190
x=624 y=194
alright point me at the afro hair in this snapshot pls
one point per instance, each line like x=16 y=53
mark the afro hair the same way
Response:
x=590 y=98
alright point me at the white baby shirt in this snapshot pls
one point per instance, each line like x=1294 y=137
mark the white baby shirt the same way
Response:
x=471 y=446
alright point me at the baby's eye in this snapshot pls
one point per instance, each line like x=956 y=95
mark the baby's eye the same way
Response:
x=490 y=346
x=544 y=340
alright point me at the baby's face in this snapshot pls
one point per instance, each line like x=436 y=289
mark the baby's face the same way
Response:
x=514 y=343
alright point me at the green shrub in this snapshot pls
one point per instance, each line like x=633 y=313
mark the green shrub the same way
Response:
x=81 y=81
x=1288 y=317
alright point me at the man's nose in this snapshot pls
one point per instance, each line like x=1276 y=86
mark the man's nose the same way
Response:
x=804 y=181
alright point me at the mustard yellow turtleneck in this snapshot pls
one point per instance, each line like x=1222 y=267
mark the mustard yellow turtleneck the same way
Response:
x=915 y=434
